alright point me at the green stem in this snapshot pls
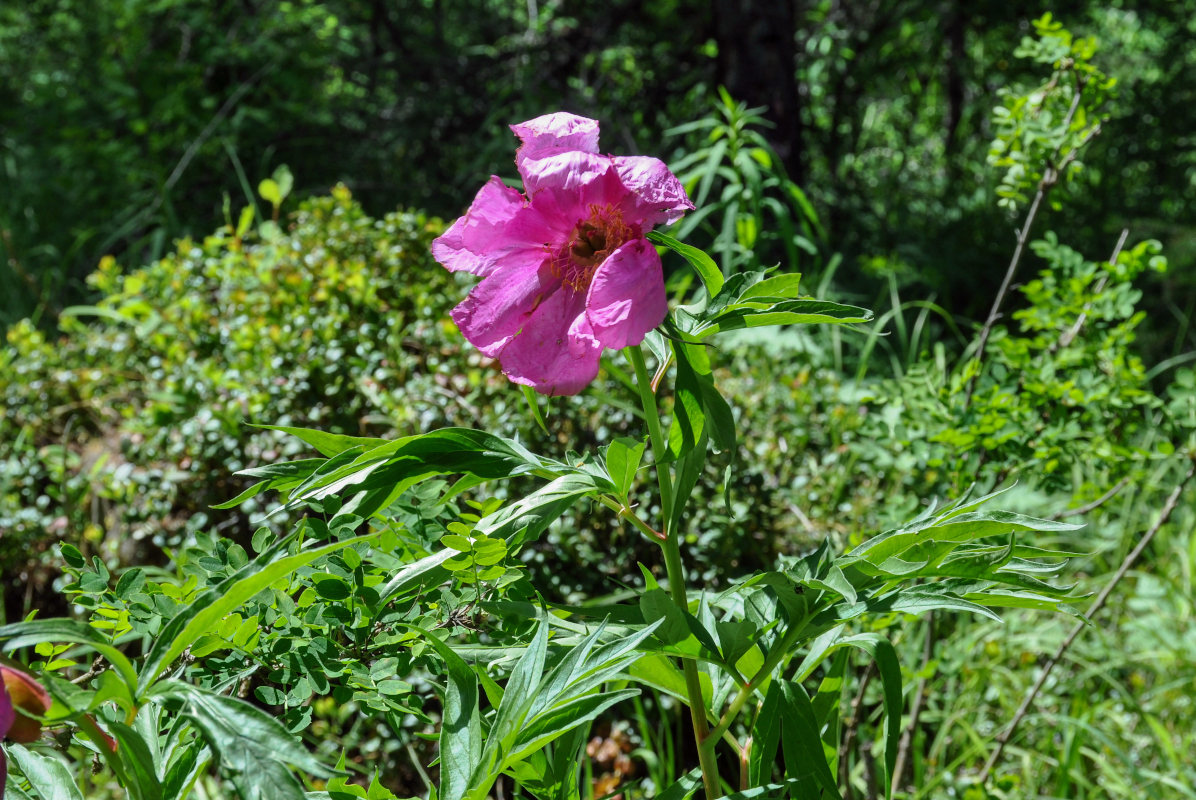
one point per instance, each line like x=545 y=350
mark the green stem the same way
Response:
x=643 y=382
x=748 y=689
x=676 y=573
x=626 y=512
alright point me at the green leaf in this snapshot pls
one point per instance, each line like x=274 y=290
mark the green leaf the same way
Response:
x=133 y=580
x=703 y=264
x=187 y=762
x=655 y=604
x=524 y=520
x=461 y=726
x=685 y=787
x=372 y=477
x=285 y=180
x=328 y=444
x=689 y=418
x=139 y=762
x=196 y=618
x=801 y=743
x=72 y=556
x=951 y=526
x=533 y=404
x=49 y=777
x=787 y=312
x=565 y=699
x=251 y=744
x=826 y=708
x=563 y=718
x=659 y=672
x=330 y=587
x=777 y=288
x=520 y=692
x=23 y=634
x=623 y=456
x=270 y=192
x=245 y=221
x=805 y=786
x=428 y=571
x=885 y=657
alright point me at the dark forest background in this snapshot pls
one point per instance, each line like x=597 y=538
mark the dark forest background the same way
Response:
x=124 y=126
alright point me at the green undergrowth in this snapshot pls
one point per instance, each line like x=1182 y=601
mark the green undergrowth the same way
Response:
x=126 y=424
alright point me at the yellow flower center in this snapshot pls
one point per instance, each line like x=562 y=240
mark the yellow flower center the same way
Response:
x=592 y=240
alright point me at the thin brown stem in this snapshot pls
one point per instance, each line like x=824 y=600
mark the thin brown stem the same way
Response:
x=1095 y=504
x=995 y=312
x=97 y=666
x=907 y=736
x=1071 y=333
x=849 y=731
x=1097 y=605
x=1050 y=176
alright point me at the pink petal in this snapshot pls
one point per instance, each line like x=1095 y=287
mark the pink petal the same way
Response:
x=470 y=243
x=8 y=714
x=500 y=306
x=660 y=198
x=555 y=353
x=627 y=297
x=565 y=172
x=556 y=133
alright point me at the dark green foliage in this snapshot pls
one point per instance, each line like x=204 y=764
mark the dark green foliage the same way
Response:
x=127 y=426
x=125 y=124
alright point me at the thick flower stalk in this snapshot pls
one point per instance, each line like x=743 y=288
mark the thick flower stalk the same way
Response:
x=19 y=693
x=565 y=268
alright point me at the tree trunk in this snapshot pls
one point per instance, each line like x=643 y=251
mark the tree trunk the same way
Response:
x=757 y=63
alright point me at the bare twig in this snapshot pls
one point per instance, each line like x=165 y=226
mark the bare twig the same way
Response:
x=221 y=113
x=97 y=666
x=1095 y=504
x=1070 y=334
x=907 y=736
x=1097 y=605
x=1050 y=176
x=850 y=728
x=801 y=517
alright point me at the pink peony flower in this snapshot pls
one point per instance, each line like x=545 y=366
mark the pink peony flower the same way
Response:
x=565 y=268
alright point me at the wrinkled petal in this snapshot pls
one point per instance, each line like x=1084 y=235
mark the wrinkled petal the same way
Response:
x=565 y=172
x=555 y=133
x=555 y=353
x=660 y=199
x=566 y=206
x=469 y=243
x=627 y=297
x=499 y=306
x=565 y=268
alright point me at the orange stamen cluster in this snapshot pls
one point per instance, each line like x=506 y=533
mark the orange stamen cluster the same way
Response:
x=592 y=240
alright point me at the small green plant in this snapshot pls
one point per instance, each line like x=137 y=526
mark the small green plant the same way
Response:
x=746 y=206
